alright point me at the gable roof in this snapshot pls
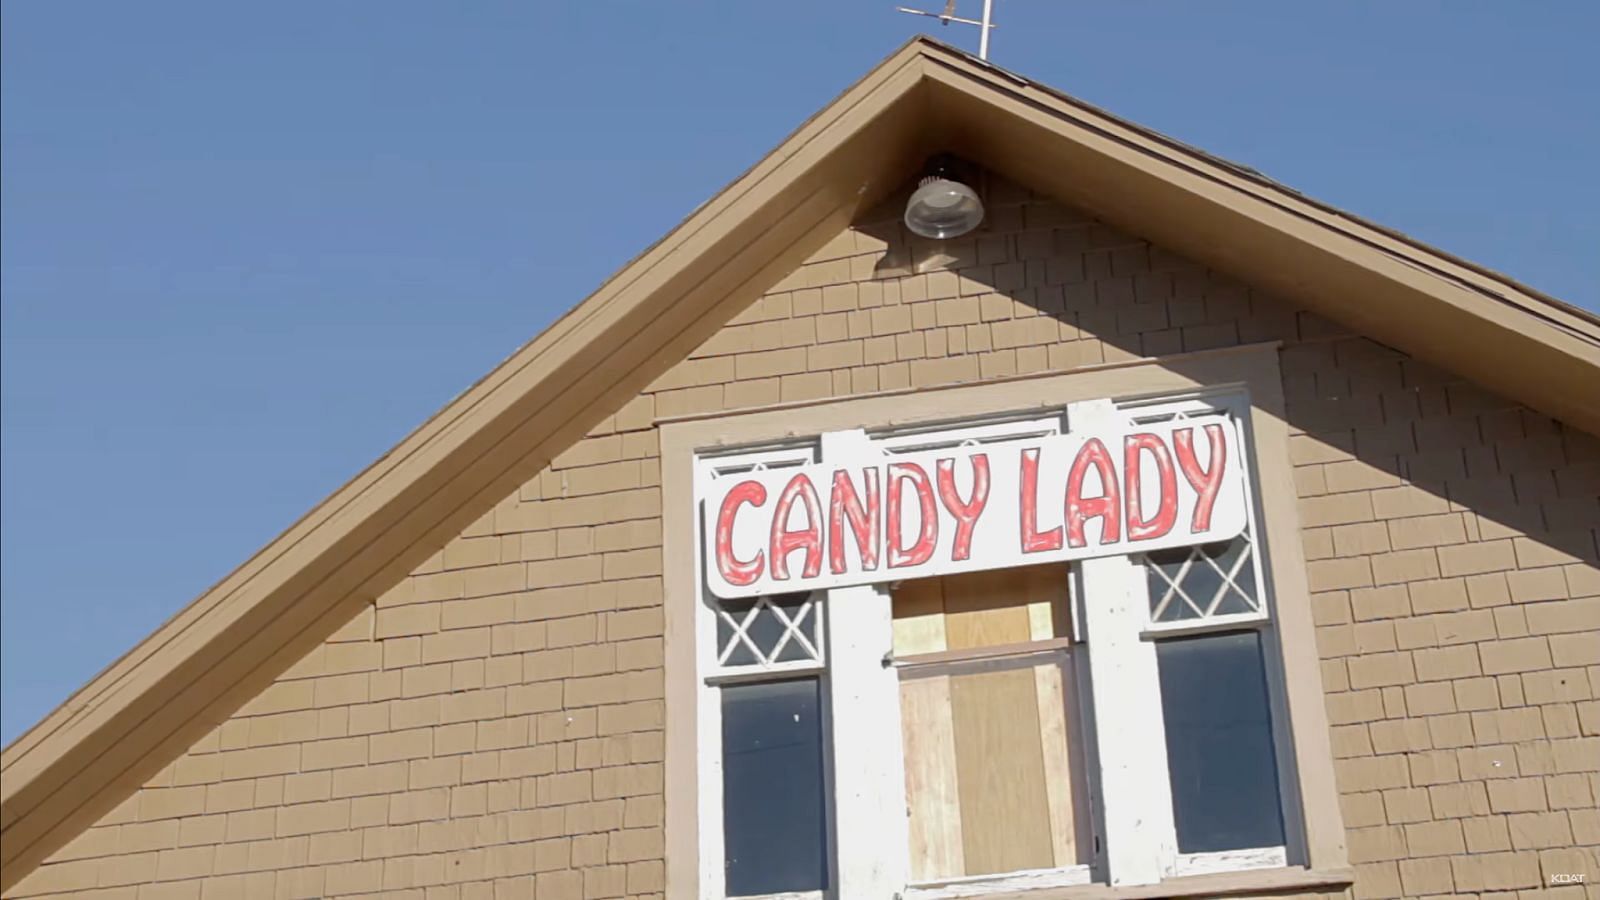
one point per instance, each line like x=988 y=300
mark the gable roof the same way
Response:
x=221 y=649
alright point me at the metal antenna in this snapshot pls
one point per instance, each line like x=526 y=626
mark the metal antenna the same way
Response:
x=949 y=15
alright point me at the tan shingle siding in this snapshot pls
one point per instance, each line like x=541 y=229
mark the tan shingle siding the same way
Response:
x=494 y=722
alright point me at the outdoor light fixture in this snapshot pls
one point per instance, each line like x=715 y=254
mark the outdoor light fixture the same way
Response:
x=942 y=206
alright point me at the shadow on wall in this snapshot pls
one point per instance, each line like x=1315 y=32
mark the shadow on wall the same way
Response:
x=1377 y=435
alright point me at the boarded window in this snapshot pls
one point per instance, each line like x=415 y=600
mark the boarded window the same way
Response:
x=993 y=754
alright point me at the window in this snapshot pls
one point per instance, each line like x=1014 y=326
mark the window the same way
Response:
x=1209 y=633
x=993 y=745
x=1116 y=720
x=1219 y=743
x=773 y=787
x=763 y=685
x=989 y=715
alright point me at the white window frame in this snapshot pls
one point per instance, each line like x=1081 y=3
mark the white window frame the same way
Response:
x=1141 y=837
x=1323 y=856
x=1135 y=835
x=980 y=431
x=712 y=675
x=1236 y=404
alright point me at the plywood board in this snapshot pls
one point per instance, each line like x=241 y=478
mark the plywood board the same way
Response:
x=1056 y=747
x=1005 y=817
x=919 y=617
x=932 y=795
x=1049 y=613
x=989 y=755
x=1041 y=625
x=983 y=609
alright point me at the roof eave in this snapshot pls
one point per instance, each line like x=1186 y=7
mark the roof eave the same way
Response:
x=1532 y=348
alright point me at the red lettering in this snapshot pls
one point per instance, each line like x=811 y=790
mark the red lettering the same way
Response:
x=1205 y=483
x=737 y=571
x=809 y=538
x=1032 y=540
x=1107 y=506
x=920 y=552
x=846 y=504
x=1140 y=528
x=967 y=512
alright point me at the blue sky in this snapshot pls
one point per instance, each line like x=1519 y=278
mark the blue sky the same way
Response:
x=248 y=248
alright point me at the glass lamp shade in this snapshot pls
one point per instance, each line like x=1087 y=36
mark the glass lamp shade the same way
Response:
x=941 y=208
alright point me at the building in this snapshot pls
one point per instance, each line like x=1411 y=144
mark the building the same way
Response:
x=1311 y=603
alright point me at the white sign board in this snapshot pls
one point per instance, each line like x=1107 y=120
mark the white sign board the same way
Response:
x=882 y=517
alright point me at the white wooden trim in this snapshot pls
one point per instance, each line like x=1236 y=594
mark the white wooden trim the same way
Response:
x=710 y=676
x=868 y=838
x=714 y=464
x=984 y=885
x=950 y=434
x=776 y=672
x=1236 y=402
x=1027 y=652
x=1186 y=627
x=871 y=839
x=1230 y=861
x=1136 y=811
x=713 y=880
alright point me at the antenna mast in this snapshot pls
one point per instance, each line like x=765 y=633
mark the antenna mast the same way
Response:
x=949 y=15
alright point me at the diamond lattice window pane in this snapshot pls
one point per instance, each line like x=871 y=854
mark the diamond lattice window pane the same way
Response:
x=1203 y=581
x=731 y=650
x=1163 y=569
x=765 y=631
x=1192 y=584
x=1240 y=594
x=802 y=615
x=768 y=630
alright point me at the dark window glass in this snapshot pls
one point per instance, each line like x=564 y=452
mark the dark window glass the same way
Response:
x=1232 y=557
x=742 y=654
x=804 y=619
x=772 y=791
x=1171 y=562
x=1219 y=742
x=765 y=630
